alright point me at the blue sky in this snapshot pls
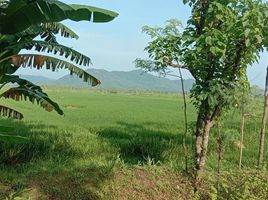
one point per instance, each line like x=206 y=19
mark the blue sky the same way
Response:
x=115 y=45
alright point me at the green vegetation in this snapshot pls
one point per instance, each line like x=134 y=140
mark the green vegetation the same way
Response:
x=133 y=145
x=22 y=22
x=112 y=145
x=221 y=39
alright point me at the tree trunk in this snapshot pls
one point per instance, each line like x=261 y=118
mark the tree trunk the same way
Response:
x=203 y=126
x=242 y=125
x=219 y=151
x=263 y=126
x=185 y=149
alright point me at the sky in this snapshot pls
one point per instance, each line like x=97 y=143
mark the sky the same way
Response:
x=115 y=45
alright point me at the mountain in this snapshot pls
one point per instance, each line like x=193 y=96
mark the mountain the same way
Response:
x=130 y=80
x=136 y=80
x=40 y=80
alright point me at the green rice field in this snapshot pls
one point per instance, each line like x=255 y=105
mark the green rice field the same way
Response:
x=111 y=145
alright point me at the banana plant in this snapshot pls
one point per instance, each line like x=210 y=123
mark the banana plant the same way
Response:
x=21 y=21
x=18 y=15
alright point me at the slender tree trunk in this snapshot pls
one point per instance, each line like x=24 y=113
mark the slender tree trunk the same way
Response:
x=185 y=124
x=219 y=151
x=202 y=136
x=242 y=125
x=204 y=146
x=263 y=126
x=205 y=121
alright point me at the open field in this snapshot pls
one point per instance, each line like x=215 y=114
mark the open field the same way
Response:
x=115 y=145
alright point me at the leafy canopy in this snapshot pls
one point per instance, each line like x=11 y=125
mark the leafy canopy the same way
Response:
x=220 y=40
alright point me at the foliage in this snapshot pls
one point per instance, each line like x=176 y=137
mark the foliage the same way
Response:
x=165 y=45
x=18 y=15
x=21 y=21
x=239 y=185
x=220 y=40
x=217 y=55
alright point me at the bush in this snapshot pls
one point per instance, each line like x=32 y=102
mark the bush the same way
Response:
x=251 y=185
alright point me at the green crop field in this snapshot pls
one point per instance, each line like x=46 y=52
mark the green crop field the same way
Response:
x=110 y=145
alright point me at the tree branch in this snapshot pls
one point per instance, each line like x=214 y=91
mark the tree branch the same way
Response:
x=216 y=112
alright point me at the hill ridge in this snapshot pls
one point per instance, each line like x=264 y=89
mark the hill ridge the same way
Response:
x=126 y=80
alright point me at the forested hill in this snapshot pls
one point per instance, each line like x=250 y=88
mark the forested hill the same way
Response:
x=135 y=79
x=129 y=80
